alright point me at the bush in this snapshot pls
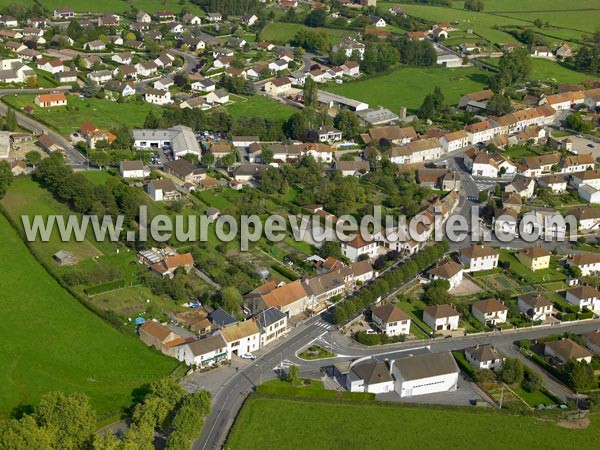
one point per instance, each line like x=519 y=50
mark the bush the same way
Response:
x=289 y=274
x=105 y=287
x=290 y=391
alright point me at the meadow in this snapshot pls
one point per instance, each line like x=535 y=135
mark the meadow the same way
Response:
x=116 y=6
x=258 y=106
x=67 y=119
x=281 y=33
x=290 y=424
x=408 y=86
x=52 y=342
x=549 y=71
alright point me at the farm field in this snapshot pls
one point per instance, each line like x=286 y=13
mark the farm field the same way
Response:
x=281 y=33
x=102 y=113
x=266 y=422
x=408 y=86
x=51 y=342
x=259 y=106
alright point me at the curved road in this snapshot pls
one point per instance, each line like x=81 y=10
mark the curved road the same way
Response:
x=76 y=159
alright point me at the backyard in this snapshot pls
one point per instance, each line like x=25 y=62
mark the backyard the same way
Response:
x=284 y=424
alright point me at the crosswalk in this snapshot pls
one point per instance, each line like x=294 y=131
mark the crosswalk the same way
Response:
x=323 y=325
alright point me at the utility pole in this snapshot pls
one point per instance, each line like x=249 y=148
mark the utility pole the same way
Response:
x=501 y=396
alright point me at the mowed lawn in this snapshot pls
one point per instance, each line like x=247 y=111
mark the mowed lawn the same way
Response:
x=258 y=106
x=281 y=33
x=50 y=342
x=546 y=70
x=292 y=424
x=103 y=113
x=408 y=86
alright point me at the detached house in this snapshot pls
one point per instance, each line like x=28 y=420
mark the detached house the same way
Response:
x=163 y=190
x=206 y=352
x=50 y=100
x=584 y=297
x=64 y=13
x=373 y=377
x=489 y=312
x=534 y=258
x=448 y=270
x=479 y=257
x=588 y=263
x=122 y=58
x=391 y=320
x=535 y=306
x=484 y=357
x=97 y=45
x=157 y=97
x=133 y=169
x=278 y=86
x=441 y=317
x=566 y=349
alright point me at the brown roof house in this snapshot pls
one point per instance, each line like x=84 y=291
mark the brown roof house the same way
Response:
x=484 y=357
x=447 y=270
x=535 y=306
x=479 y=257
x=290 y=299
x=391 y=320
x=241 y=338
x=534 y=258
x=490 y=312
x=566 y=349
x=161 y=337
x=167 y=267
x=441 y=317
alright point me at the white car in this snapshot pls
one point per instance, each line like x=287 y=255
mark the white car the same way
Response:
x=248 y=356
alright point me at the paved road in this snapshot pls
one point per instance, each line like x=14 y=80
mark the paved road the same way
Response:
x=75 y=158
x=229 y=399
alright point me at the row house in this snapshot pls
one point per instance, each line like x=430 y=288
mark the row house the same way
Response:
x=416 y=151
x=454 y=141
x=576 y=163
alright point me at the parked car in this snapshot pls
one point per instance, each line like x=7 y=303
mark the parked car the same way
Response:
x=248 y=356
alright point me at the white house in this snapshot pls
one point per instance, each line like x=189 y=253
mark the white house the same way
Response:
x=567 y=349
x=535 y=306
x=163 y=190
x=588 y=263
x=441 y=317
x=357 y=247
x=454 y=141
x=122 y=58
x=484 y=357
x=489 y=312
x=64 y=13
x=373 y=377
x=133 y=169
x=584 y=297
x=448 y=270
x=96 y=45
x=146 y=68
x=329 y=134
x=479 y=257
x=589 y=194
x=391 y=320
x=163 y=84
x=241 y=338
x=204 y=86
x=592 y=341
x=588 y=218
x=214 y=17
x=53 y=66
x=205 y=352
x=272 y=324
x=425 y=374
x=220 y=96
x=480 y=132
x=100 y=76
x=157 y=97
x=278 y=66
x=278 y=86
x=191 y=19
x=555 y=183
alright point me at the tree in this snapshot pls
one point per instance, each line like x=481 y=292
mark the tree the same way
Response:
x=330 y=248
x=25 y=434
x=347 y=122
x=266 y=156
x=231 y=299
x=6 y=177
x=292 y=375
x=575 y=122
x=228 y=160
x=316 y=18
x=208 y=159
x=499 y=105
x=70 y=417
x=483 y=196
x=474 y=5
x=532 y=382
x=436 y=293
x=538 y=22
x=10 y=121
x=33 y=158
x=514 y=66
x=310 y=93
x=427 y=109
x=90 y=88
x=581 y=375
x=512 y=371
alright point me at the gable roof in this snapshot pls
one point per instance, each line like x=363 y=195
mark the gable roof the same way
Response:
x=221 y=317
x=440 y=311
x=584 y=292
x=447 y=269
x=372 y=372
x=479 y=251
x=583 y=259
x=568 y=349
x=535 y=300
x=207 y=345
x=390 y=313
x=426 y=365
x=285 y=295
x=483 y=353
x=239 y=330
x=489 y=306
x=534 y=252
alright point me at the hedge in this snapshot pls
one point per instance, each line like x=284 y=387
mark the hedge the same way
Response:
x=464 y=364
x=289 y=274
x=105 y=287
x=299 y=392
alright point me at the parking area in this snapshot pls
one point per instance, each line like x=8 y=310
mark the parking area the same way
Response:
x=212 y=380
x=582 y=145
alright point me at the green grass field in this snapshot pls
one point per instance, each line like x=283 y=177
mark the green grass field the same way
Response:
x=259 y=106
x=67 y=119
x=408 y=86
x=116 y=6
x=291 y=424
x=549 y=71
x=51 y=342
x=281 y=33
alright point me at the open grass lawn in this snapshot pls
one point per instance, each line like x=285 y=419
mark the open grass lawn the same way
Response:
x=51 y=342
x=116 y=6
x=103 y=113
x=539 y=276
x=534 y=399
x=550 y=71
x=291 y=424
x=408 y=86
x=282 y=33
x=96 y=176
x=259 y=106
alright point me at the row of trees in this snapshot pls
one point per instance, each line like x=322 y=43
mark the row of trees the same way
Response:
x=6 y=177
x=391 y=280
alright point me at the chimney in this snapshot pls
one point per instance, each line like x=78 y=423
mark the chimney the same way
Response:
x=402 y=112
